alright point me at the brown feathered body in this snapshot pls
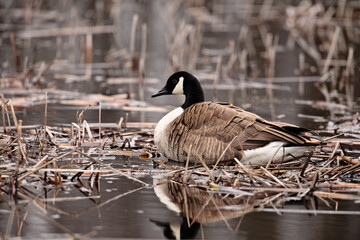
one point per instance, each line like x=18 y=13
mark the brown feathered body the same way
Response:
x=220 y=130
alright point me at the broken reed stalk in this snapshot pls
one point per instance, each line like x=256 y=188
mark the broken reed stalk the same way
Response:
x=272 y=176
x=265 y=9
x=100 y=122
x=223 y=153
x=10 y=222
x=43 y=69
x=142 y=61
x=40 y=73
x=89 y=55
x=66 y=31
x=3 y=110
x=301 y=72
x=341 y=8
x=232 y=59
x=118 y=127
x=112 y=168
x=206 y=167
x=72 y=136
x=80 y=116
x=45 y=119
x=134 y=24
x=348 y=76
x=243 y=72
x=272 y=157
x=126 y=121
x=202 y=209
x=40 y=165
x=13 y=115
x=195 y=45
x=331 y=50
x=25 y=67
x=222 y=216
x=271 y=46
x=76 y=135
x=98 y=206
x=305 y=166
x=49 y=220
x=20 y=145
x=14 y=50
x=57 y=199
x=217 y=77
x=22 y=221
x=186 y=206
x=19 y=132
x=187 y=164
x=236 y=229
x=86 y=126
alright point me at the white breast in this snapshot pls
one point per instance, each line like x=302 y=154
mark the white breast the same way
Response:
x=161 y=134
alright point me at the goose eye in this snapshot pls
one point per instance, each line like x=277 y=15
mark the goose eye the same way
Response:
x=175 y=81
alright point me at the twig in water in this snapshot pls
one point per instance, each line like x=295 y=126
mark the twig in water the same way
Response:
x=45 y=118
x=79 y=116
x=222 y=216
x=112 y=168
x=187 y=164
x=273 y=177
x=10 y=222
x=13 y=115
x=119 y=125
x=186 y=206
x=49 y=220
x=108 y=201
x=38 y=166
x=223 y=153
x=206 y=167
x=100 y=122
x=86 y=126
x=202 y=208
x=306 y=164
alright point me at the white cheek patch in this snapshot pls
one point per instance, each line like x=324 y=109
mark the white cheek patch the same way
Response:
x=179 y=87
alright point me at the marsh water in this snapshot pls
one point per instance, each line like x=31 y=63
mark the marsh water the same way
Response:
x=141 y=213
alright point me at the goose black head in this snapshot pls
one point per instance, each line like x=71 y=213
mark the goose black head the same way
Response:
x=183 y=83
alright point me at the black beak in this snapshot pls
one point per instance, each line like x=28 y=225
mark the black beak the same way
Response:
x=163 y=91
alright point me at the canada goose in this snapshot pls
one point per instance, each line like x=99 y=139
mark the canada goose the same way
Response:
x=205 y=130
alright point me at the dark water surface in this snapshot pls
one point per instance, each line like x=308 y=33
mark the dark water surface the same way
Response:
x=135 y=216
x=141 y=214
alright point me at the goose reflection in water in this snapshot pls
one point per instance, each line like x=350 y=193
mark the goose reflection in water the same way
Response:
x=197 y=206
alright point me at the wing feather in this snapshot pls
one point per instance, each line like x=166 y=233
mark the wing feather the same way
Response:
x=210 y=127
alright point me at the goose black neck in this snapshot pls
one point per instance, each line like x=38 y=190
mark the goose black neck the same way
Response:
x=193 y=95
